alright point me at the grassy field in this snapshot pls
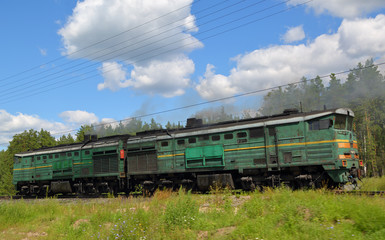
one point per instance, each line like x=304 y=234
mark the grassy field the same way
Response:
x=373 y=184
x=274 y=214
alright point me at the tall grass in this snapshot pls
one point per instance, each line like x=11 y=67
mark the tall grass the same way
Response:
x=373 y=184
x=273 y=214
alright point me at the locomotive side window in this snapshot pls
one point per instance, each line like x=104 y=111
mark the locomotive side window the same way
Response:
x=229 y=136
x=38 y=158
x=87 y=152
x=241 y=134
x=256 y=133
x=204 y=138
x=216 y=138
x=314 y=125
x=192 y=140
x=325 y=124
x=164 y=143
x=50 y=156
x=44 y=157
x=180 y=142
x=76 y=154
x=69 y=154
x=340 y=122
x=56 y=155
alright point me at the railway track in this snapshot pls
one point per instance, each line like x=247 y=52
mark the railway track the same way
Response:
x=361 y=193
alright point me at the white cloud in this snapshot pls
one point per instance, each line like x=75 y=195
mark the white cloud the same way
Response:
x=294 y=34
x=278 y=65
x=158 y=44
x=79 y=117
x=114 y=76
x=168 y=78
x=343 y=8
x=14 y=124
x=363 y=37
x=214 y=86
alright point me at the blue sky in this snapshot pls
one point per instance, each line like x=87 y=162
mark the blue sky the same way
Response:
x=67 y=63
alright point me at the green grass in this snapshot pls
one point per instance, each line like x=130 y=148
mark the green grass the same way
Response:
x=274 y=214
x=373 y=184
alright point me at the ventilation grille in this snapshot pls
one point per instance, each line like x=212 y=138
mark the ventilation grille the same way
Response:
x=142 y=161
x=106 y=164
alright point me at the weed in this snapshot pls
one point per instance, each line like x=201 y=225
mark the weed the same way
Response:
x=181 y=212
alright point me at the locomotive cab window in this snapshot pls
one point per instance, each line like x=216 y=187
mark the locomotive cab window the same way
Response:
x=350 y=124
x=320 y=124
x=17 y=160
x=340 y=122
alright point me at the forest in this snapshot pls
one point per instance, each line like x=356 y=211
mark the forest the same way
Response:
x=363 y=91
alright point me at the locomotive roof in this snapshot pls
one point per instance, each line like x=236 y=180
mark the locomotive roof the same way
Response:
x=227 y=126
x=101 y=142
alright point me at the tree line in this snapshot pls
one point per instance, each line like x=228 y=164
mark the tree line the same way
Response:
x=363 y=91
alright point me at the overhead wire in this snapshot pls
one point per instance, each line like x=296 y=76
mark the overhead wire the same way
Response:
x=108 y=47
x=99 y=42
x=214 y=100
x=218 y=100
x=123 y=53
x=173 y=49
x=229 y=97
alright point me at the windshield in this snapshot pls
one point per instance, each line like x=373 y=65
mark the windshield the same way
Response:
x=350 y=123
x=340 y=122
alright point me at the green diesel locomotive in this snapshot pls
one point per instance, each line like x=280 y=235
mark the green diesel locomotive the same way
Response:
x=299 y=149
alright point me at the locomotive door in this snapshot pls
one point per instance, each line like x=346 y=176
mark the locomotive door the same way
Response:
x=28 y=167
x=272 y=149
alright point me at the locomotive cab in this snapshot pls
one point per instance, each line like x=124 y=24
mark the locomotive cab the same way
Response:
x=346 y=163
